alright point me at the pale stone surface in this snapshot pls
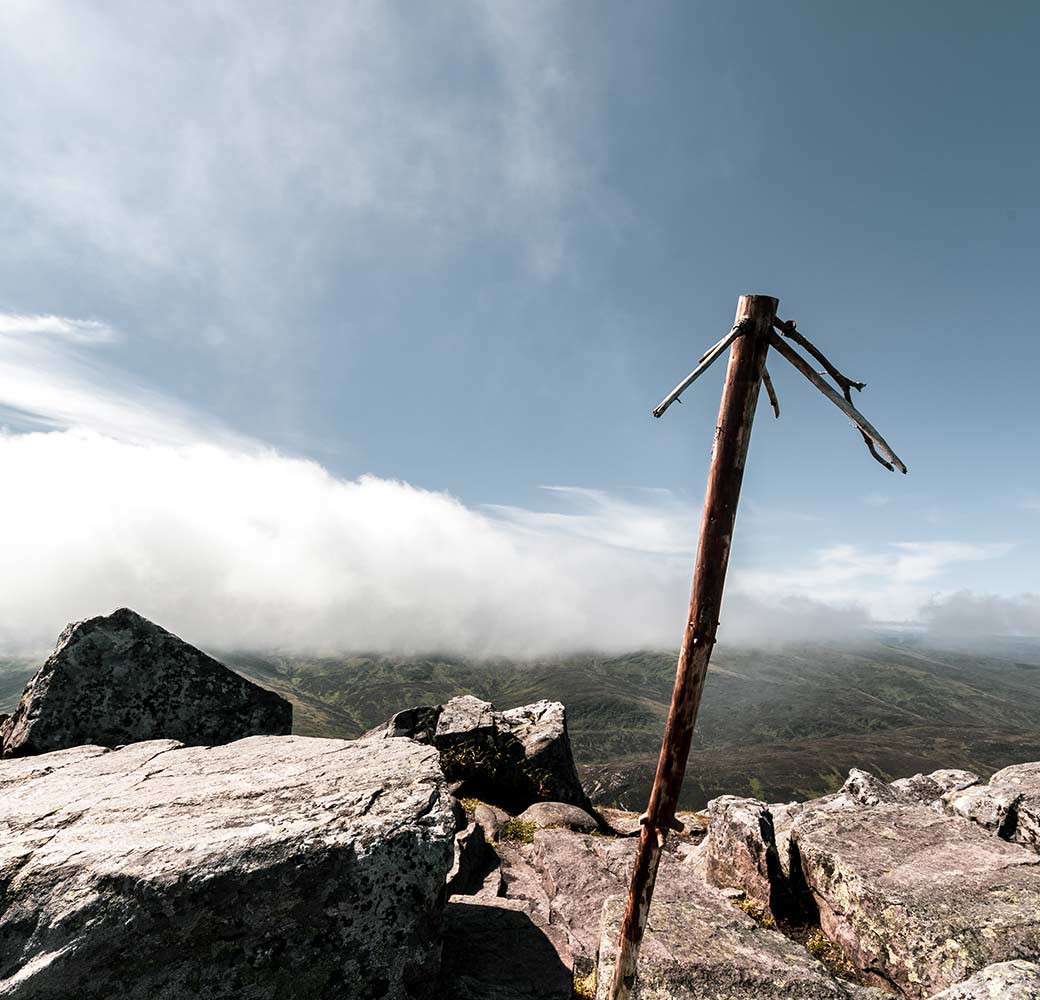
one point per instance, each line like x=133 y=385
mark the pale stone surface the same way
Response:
x=699 y=947
x=741 y=849
x=916 y=899
x=122 y=679
x=267 y=868
x=1025 y=779
x=990 y=806
x=492 y=819
x=547 y=815
x=512 y=758
x=1004 y=981
x=930 y=788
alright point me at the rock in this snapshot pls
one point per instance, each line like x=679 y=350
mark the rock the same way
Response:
x=741 y=849
x=473 y=860
x=699 y=947
x=501 y=950
x=579 y=871
x=867 y=790
x=549 y=815
x=1004 y=981
x=268 y=868
x=625 y=823
x=492 y=819
x=458 y=810
x=928 y=789
x=121 y=679
x=1025 y=779
x=509 y=758
x=917 y=900
x=990 y=806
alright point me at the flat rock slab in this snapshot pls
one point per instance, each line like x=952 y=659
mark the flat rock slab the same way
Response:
x=917 y=900
x=500 y=949
x=268 y=868
x=122 y=679
x=1005 y=981
x=698 y=946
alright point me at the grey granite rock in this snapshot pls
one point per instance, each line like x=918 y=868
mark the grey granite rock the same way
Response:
x=741 y=849
x=579 y=871
x=992 y=807
x=510 y=758
x=1003 y=981
x=1025 y=779
x=268 y=868
x=928 y=789
x=699 y=947
x=121 y=679
x=917 y=900
x=868 y=790
x=474 y=859
x=492 y=819
x=548 y=815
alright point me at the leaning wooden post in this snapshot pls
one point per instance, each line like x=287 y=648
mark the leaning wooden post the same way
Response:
x=756 y=315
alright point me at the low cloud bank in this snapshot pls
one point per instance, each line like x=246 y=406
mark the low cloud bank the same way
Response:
x=966 y=616
x=247 y=548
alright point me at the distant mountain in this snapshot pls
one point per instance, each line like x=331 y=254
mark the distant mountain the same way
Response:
x=774 y=723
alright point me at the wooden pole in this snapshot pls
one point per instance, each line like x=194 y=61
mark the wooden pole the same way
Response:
x=743 y=378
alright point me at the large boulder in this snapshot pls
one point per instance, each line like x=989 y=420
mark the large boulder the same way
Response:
x=558 y=815
x=508 y=758
x=1008 y=806
x=267 y=868
x=741 y=851
x=917 y=900
x=121 y=679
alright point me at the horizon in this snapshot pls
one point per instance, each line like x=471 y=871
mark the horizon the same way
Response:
x=313 y=335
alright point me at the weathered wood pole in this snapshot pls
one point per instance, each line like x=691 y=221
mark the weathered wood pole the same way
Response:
x=743 y=379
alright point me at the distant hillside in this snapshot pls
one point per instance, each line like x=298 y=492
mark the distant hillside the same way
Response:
x=778 y=724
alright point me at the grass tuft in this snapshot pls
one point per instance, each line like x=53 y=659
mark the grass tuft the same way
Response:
x=519 y=830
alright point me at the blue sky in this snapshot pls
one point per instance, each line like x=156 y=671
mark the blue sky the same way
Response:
x=467 y=247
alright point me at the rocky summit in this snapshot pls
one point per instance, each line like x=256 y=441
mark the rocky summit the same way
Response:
x=271 y=867
x=120 y=679
x=452 y=854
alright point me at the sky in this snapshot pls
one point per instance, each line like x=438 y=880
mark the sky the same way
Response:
x=340 y=326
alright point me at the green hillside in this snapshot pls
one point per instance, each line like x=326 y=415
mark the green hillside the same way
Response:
x=778 y=723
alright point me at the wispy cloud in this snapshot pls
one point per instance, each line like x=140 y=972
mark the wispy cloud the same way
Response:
x=52 y=376
x=80 y=331
x=254 y=149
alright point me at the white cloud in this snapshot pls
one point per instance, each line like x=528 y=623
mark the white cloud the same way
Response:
x=243 y=148
x=235 y=548
x=968 y=615
x=50 y=377
x=82 y=331
x=892 y=581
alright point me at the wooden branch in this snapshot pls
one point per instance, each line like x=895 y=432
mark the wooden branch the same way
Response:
x=843 y=382
x=843 y=404
x=713 y=354
x=771 y=392
x=789 y=330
